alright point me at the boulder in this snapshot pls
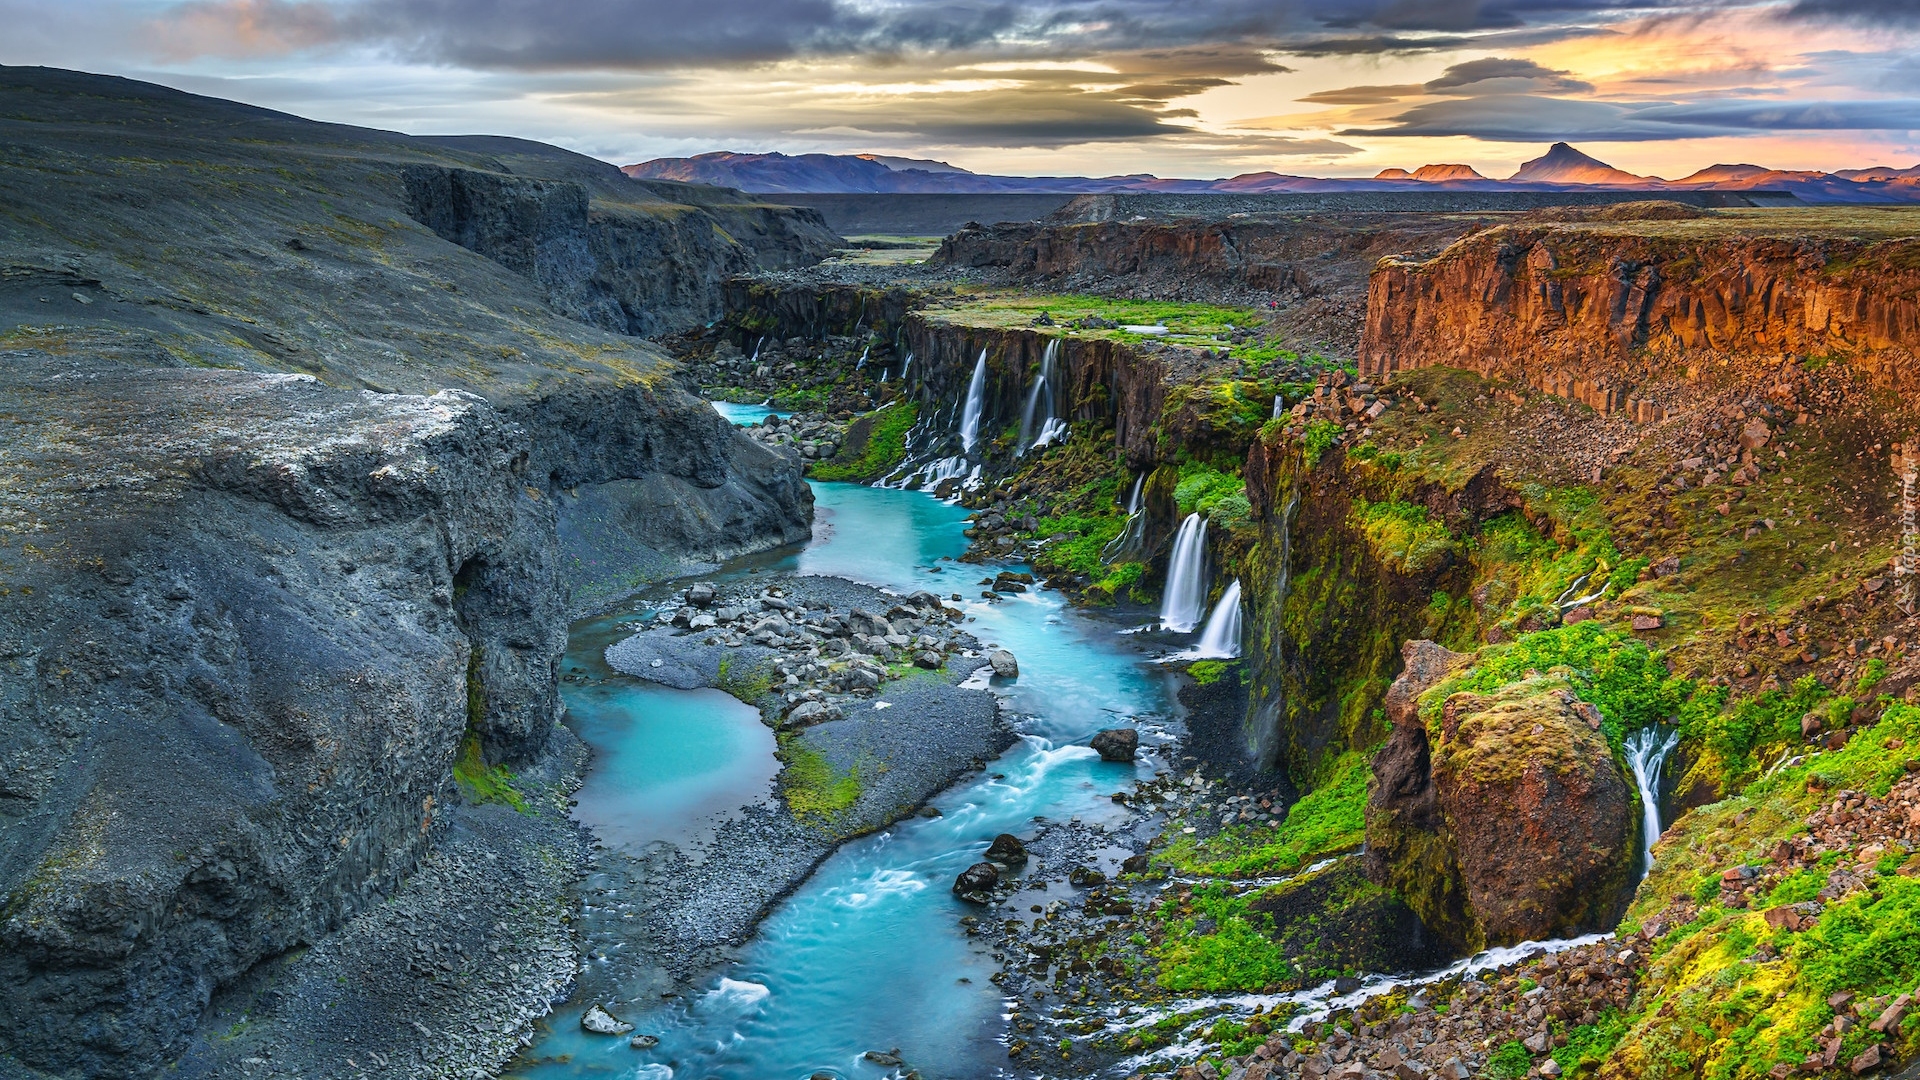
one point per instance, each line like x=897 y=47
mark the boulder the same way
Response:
x=700 y=594
x=599 y=1021
x=1003 y=664
x=644 y=1042
x=1116 y=744
x=976 y=880
x=1007 y=848
x=1509 y=822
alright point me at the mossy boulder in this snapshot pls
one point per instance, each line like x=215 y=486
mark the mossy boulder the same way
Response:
x=1507 y=820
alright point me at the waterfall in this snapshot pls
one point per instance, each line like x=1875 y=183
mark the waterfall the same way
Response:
x=1041 y=397
x=905 y=366
x=976 y=397
x=884 y=372
x=863 y=358
x=1185 y=602
x=1647 y=751
x=1264 y=733
x=1128 y=543
x=1221 y=638
x=1278 y=405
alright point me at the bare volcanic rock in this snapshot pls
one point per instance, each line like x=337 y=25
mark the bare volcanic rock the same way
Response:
x=1117 y=744
x=1511 y=821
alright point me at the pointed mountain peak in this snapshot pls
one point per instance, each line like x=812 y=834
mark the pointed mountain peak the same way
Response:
x=1562 y=164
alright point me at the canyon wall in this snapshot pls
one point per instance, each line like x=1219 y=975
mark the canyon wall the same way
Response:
x=1624 y=320
x=298 y=495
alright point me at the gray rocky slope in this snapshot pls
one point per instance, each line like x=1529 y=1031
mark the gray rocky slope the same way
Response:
x=314 y=435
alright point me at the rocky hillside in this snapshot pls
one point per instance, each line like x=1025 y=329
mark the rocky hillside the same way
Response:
x=316 y=436
x=1629 y=315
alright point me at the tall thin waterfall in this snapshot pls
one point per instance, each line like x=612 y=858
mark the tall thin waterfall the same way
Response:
x=976 y=398
x=1040 y=404
x=1279 y=404
x=905 y=366
x=1185 y=601
x=1647 y=751
x=863 y=358
x=1264 y=735
x=1133 y=535
x=1221 y=638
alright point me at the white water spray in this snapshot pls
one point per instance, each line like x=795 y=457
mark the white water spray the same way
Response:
x=1133 y=535
x=976 y=397
x=1039 y=403
x=1185 y=602
x=1220 y=640
x=1647 y=751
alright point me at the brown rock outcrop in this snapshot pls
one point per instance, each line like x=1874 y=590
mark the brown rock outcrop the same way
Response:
x=1621 y=318
x=1511 y=822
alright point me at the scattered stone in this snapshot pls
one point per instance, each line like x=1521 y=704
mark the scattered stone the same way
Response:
x=599 y=1021
x=1116 y=744
x=1007 y=848
x=976 y=880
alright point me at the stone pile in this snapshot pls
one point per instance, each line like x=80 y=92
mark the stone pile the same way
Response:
x=820 y=651
x=813 y=438
x=1339 y=397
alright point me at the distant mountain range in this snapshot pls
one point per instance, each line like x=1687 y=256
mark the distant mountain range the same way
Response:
x=1561 y=168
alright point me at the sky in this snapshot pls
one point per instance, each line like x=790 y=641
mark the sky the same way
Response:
x=1192 y=88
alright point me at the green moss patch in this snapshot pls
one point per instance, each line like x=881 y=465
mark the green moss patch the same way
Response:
x=876 y=444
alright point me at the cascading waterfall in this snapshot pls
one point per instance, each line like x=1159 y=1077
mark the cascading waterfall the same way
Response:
x=1185 y=603
x=1040 y=405
x=1221 y=638
x=863 y=358
x=1279 y=404
x=1647 y=752
x=1133 y=534
x=1266 y=731
x=906 y=366
x=976 y=399
x=755 y=358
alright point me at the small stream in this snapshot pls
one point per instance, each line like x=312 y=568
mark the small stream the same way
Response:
x=868 y=954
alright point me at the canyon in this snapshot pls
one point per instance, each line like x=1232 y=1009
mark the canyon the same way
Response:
x=1164 y=637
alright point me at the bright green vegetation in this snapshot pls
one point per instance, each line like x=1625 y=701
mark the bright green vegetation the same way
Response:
x=749 y=685
x=1404 y=536
x=1317 y=438
x=1607 y=667
x=884 y=448
x=1208 y=672
x=1121 y=577
x=1510 y=1062
x=1240 y=953
x=1219 y=496
x=1589 y=1044
x=482 y=782
x=811 y=785
x=1325 y=821
x=1190 y=324
x=1710 y=1010
x=1081 y=552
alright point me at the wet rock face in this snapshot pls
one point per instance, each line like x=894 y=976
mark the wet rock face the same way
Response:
x=266 y=641
x=1515 y=823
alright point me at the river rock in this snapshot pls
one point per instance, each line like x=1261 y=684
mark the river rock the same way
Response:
x=1007 y=848
x=644 y=1042
x=811 y=712
x=1116 y=744
x=1003 y=663
x=700 y=594
x=976 y=880
x=599 y=1021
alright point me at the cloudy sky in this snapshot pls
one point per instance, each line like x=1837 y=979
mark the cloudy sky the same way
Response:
x=1199 y=88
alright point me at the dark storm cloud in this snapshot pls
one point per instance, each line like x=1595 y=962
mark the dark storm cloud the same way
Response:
x=641 y=34
x=1530 y=118
x=1867 y=12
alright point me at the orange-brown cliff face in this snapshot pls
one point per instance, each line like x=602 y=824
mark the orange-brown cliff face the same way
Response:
x=1626 y=318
